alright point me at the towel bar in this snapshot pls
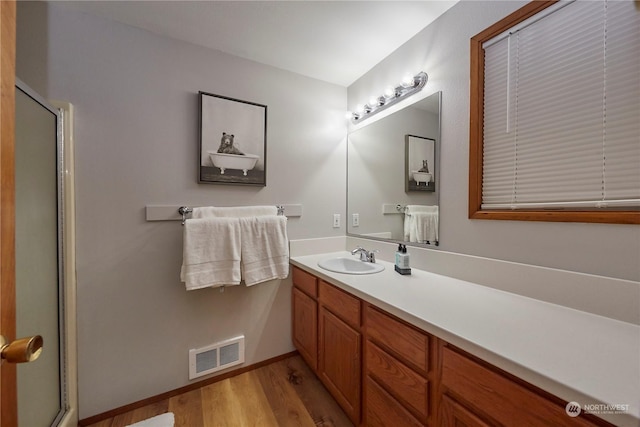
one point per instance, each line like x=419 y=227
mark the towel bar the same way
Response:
x=177 y=212
x=184 y=211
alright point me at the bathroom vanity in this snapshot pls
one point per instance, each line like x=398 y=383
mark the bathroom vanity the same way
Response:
x=388 y=364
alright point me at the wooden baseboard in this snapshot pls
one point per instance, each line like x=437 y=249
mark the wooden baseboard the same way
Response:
x=160 y=397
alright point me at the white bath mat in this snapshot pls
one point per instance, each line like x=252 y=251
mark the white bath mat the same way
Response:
x=164 y=420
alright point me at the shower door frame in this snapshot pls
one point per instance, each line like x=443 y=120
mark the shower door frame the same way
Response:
x=68 y=414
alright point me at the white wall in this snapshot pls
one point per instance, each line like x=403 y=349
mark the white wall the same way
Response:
x=135 y=96
x=442 y=50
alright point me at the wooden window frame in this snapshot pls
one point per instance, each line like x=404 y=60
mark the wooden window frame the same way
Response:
x=476 y=116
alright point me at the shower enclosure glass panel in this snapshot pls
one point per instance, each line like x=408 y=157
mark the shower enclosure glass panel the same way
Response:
x=41 y=400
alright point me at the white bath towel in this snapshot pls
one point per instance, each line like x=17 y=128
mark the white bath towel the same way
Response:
x=211 y=253
x=236 y=211
x=265 y=249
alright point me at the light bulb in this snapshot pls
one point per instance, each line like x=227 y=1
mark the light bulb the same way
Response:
x=348 y=115
x=390 y=92
x=408 y=81
x=360 y=108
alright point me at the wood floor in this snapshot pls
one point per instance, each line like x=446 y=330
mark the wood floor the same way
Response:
x=284 y=393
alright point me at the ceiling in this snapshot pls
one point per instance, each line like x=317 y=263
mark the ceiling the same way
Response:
x=334 y=41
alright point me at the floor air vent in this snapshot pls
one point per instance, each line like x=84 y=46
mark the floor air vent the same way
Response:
x=215 y=357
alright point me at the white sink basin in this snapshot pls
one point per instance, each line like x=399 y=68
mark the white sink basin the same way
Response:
x=350 y=266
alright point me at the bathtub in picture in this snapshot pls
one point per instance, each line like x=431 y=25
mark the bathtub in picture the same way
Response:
x=421 y=177
x=224 y=161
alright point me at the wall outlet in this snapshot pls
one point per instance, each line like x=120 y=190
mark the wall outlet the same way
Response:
x=355 y=220
x=336 y=220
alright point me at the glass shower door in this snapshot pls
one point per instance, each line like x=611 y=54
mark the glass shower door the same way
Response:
x=41 y=398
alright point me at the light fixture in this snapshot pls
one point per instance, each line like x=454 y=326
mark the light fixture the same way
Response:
x=392 y=95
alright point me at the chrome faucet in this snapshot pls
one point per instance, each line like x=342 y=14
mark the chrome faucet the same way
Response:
x=365 y=255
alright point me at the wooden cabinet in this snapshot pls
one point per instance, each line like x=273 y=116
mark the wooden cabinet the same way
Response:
x=475 y=390
x=385 y=372
x=397 y=369
x=383 y=410
x=339 y=344
x=305 y=327
x=326 y=332
x=454 y=415
x=305 y=316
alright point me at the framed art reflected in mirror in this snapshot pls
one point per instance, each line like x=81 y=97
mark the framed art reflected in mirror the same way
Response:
x=420 y=163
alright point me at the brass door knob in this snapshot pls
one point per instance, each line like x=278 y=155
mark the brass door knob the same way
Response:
x=22 y=350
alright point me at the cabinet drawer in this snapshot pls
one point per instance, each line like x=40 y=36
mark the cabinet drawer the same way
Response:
x=403 y=382
x=305 y=282
x=403 y=340
x=452 y=414
x=499 y=397
x=382 y=410
x=343 y=305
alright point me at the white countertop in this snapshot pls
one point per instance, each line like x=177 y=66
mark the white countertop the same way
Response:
x=575 y=355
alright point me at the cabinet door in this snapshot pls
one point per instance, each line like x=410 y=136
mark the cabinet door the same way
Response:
x=305 y=327
x=339 y=364
x=453 y=414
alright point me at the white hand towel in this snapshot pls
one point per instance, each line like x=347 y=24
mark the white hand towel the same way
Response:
x=211 y=253
x=411 y=226
x=236 y=211
x=411 y=209
x=408 y=224
x=265 y=249
x=425 y=226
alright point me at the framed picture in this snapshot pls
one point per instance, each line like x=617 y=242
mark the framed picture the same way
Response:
x=233 y=141
x=420 y=165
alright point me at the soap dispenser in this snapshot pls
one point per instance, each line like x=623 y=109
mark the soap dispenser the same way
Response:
x=398 y=253
x=402 y=260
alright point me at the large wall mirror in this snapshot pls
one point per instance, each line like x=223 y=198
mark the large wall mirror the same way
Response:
x=393 y=176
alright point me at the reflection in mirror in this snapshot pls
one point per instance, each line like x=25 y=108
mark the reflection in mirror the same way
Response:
x=419 y=154
x=392 y=176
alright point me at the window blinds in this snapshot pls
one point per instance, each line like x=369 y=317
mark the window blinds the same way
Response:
x=562 y=110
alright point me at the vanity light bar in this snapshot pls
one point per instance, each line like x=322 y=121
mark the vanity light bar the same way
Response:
x=393 y=95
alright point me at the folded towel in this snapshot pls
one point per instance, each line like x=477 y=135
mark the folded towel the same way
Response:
x=236 y=211
x=410 y=226
x=425 y=228
x=265 y=249
x=411 y=209
x=211 y=253
x=408 y=223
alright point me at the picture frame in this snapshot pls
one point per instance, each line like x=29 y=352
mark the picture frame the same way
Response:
x=233 y=141
x=420 y=164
